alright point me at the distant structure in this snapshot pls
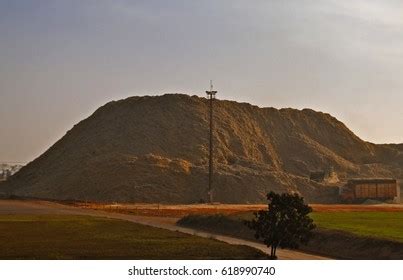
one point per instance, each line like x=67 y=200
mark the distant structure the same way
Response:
x=211 y=96
x=7 y=170
x=359 y=190
x=5 y=174
x=8 y=174
x=321 y=176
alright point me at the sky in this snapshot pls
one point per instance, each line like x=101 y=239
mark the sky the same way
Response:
x=62 y=59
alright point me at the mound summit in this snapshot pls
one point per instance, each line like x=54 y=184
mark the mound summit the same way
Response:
x=155 y=149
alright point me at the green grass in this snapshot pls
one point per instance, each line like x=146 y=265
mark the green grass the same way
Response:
x=388 y=225
x=230 y=225
x=345 y=235
x=385 y=225
x=82 y=237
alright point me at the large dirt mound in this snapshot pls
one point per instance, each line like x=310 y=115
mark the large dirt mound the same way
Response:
x=155 y=149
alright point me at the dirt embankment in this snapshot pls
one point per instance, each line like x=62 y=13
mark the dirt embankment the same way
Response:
x=155 y=150
x=181 y=210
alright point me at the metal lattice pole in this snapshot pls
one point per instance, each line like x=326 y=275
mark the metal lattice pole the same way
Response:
x=211 y=96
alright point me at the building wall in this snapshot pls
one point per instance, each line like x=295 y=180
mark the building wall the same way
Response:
x=372 y=190
x=376 y=189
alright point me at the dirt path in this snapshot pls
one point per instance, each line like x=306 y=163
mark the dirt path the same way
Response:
x=12 y=207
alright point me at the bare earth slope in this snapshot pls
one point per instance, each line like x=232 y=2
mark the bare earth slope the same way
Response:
x=155 y=149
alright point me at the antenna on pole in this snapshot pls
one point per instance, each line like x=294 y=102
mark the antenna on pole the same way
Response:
x=211 y=96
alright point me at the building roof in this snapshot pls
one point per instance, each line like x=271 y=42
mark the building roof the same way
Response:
x=372 y=181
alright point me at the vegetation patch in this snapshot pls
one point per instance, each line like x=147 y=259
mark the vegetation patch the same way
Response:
x=231 y=225
x=387 y=225
x=82 y=237
x=343 y=235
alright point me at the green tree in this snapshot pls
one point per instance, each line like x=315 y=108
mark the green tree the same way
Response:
x=286 y=223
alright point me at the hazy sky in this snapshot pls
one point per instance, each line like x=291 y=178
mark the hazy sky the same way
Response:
x=60 y=60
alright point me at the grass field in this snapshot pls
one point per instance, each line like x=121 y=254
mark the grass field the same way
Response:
x=388 y=225
x=381 y=220
x=82 y=237
x=345 y=235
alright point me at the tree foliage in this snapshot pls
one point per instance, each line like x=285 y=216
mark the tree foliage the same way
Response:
x=286 y=223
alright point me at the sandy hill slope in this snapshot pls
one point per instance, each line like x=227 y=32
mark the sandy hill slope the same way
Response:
x=155 y=149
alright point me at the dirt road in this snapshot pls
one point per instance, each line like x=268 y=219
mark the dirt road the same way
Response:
x=178 y=210
x=10 y=207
